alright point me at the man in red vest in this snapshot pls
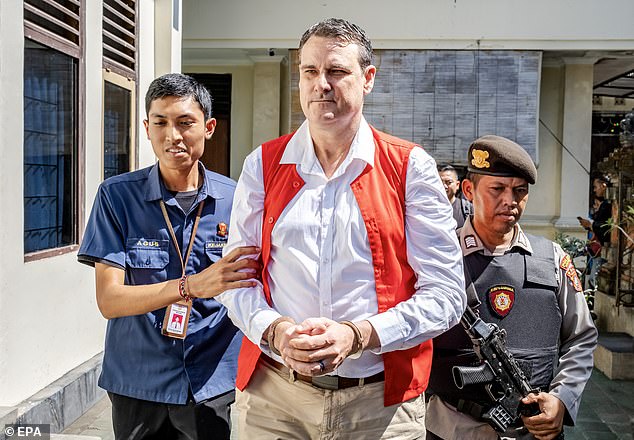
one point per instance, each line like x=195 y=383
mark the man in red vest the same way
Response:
x=361 y=264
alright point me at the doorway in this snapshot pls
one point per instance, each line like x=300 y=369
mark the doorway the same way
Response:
x=217 y=153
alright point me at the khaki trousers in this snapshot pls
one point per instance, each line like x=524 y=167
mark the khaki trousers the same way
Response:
x=274 y=407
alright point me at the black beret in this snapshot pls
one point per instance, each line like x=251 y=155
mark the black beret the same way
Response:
x=498 y=156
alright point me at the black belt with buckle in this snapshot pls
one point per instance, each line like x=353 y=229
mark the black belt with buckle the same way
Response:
x=326 y=382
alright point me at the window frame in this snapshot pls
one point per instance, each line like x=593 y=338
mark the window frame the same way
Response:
x=125 y=82
x=49 y=39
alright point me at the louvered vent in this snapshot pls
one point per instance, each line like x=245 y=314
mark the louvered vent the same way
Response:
x=119 y=36
x=54 y=22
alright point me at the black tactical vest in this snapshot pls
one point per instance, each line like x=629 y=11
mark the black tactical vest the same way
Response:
x=532 y=324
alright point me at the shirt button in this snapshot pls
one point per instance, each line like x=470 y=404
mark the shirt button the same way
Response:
x=270 y=219
x=295 y=184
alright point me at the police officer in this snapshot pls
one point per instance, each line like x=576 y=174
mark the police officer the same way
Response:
x=526 y=285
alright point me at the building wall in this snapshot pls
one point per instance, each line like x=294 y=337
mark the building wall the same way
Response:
x=50 y=322
x=556 y=28
x=412 y=24
x=543 y=203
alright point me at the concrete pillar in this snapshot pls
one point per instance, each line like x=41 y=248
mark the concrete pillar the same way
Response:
x=167 y=36
x=544 y=200
x=576 y=136
x=266 y=98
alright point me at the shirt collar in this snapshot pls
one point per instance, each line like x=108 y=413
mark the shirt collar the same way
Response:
x=301 y=151
x=470 y=241
x=155 y=188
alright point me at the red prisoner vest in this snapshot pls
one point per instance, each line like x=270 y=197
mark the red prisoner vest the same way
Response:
x=382 y=187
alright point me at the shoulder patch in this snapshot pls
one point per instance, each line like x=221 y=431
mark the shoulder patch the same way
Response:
x=470 y=241
x=571 y=273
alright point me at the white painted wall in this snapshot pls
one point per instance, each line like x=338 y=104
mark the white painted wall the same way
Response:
x=50 y=322
x=145 y=75
x=167 y=41
x=543 y=202
x=417 y=24
x=11 y=183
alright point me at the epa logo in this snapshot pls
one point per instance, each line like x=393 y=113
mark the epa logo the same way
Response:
x=27 y=431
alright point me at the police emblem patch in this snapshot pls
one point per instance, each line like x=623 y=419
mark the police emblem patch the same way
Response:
x=480 y=158
x=571 y=273
x=222 y=230
x=501 y=299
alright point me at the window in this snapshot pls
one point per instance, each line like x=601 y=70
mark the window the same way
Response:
x=118 y=125
x=119 y=36
x=119 y=104
x=52 y=79
x=50 y=146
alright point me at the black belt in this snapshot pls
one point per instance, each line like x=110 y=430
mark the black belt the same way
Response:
x=324 y=382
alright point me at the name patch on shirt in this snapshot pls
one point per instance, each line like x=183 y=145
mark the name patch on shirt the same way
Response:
x=213 y=245
x=148 y=243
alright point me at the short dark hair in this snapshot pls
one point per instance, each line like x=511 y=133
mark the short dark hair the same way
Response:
x=473 y=177
x=603 y=178
x=344 y=31
x=448 y=168
x=179 y=85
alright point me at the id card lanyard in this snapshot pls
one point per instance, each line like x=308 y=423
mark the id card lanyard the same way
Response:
x=177 y=315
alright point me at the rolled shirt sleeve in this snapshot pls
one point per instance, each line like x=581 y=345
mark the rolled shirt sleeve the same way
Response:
x=435 y=256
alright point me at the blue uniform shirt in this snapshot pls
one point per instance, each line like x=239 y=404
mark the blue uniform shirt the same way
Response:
x=127 y=229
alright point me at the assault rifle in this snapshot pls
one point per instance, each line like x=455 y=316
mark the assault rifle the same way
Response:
x=504 y=379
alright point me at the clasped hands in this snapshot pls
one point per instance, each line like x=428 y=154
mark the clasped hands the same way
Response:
x=314 y=347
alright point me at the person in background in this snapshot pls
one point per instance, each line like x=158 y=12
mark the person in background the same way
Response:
x=155 y=238
x=462 y=208
x=598 y=228
x=527 y=286
x=599 y=224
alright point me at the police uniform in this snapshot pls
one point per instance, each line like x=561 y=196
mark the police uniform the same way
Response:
x=127 y=229
x=531 y=289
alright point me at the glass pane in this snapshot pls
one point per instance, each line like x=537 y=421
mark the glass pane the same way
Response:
x=116 y=134
x=50 y=147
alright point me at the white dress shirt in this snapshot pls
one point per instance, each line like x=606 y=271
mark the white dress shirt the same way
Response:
x=321 y=263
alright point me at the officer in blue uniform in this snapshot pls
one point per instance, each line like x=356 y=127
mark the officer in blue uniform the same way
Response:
x=155 y=237
x=526 y=285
